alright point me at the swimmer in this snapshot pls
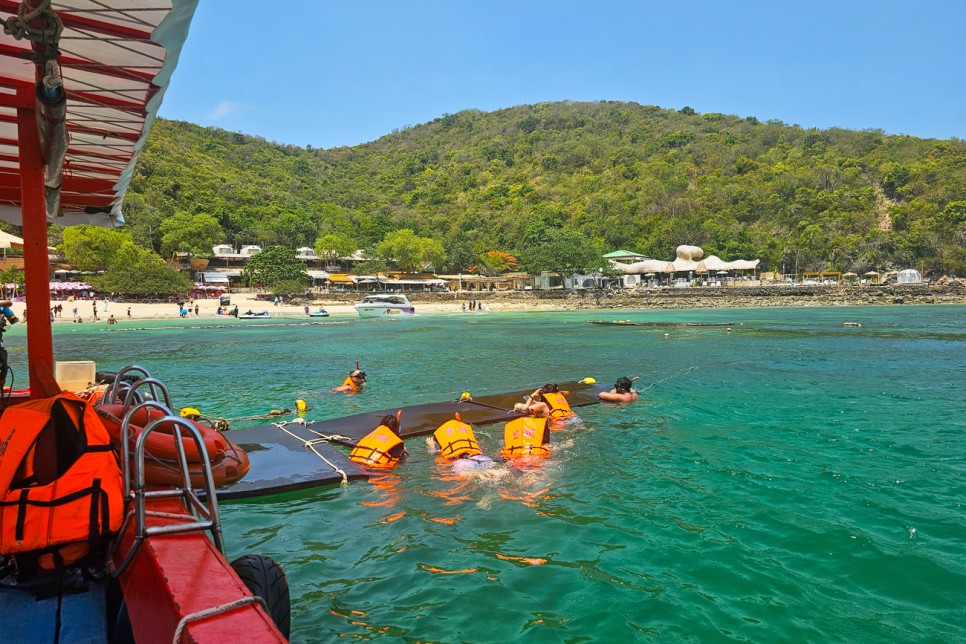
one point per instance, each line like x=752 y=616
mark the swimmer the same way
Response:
x=623 y=391
x=382 y=447
x=353 y=384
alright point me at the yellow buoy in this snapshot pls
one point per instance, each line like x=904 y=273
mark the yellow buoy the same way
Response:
x=588 y=381
x=466 y=396
x=190 y=412
x=300 y=405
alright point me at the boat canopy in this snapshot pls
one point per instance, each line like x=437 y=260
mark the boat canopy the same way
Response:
x=94 y=74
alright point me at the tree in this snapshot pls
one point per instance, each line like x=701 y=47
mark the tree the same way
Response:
x=335 y=245
x=192 y=234
x=408 y=251
x=138 y=271
x=91 y=248
x=278 y=270
x=566 y=252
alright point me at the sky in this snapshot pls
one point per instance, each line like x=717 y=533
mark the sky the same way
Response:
x=331 y=73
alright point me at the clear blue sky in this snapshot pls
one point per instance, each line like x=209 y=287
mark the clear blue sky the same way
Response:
x=342 y=72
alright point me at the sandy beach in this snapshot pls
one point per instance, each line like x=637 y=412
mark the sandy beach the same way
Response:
x=208 y=308
x=340 y=305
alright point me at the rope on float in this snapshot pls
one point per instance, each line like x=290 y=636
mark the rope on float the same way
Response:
x=311 y=445
x=215 y=610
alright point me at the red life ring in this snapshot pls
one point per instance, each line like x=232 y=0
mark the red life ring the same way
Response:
x=229 y=466
x=160 y=443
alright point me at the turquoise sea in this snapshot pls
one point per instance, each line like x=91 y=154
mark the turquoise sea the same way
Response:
x=791 y=479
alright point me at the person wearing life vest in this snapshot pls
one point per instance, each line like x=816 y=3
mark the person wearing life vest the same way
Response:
x=548 y=401
x=456 y=443
x=525 y=437
x=623 y=391
x=382 y=447
x=353 y=384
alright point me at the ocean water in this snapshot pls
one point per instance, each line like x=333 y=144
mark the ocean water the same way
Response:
x=791 y=479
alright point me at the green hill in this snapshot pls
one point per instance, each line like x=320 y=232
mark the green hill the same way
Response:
x=636 y=177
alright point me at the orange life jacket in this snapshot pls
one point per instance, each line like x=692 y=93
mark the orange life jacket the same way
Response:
x=455 y=439
x=527 y=436
x=379 y=448
x=59 y=480
x=352 y=383
x=559 y=407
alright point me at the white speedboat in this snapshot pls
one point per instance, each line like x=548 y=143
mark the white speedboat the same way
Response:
x=383 y=305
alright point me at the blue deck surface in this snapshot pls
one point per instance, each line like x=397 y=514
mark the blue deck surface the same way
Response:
x=24 y=619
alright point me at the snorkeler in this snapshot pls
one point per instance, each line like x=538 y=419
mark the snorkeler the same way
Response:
x=354 y=383
x=623 y=391
x=456 y=442
x=382 y=447
x=547 y=401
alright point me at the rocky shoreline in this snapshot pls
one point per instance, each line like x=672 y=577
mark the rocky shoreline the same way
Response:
x=700 y=297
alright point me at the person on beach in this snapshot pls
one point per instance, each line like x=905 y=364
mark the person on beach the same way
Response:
x=623 y=391
x=129 y=311
x=353 y=384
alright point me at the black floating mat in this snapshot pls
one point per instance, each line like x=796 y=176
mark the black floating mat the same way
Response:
x=282 y=463
x=419 y=420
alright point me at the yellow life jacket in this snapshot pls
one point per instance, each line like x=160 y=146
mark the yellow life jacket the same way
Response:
x=349 y=381
x=527 y=436
x=60 y=484
x=559 y=407
x=455 y=439
x=379 y=448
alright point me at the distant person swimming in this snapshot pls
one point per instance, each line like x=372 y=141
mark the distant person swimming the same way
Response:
x=623 y=391
x=353 y=383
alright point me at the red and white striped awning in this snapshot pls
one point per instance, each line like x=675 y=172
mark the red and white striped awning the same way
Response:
x=115 y=60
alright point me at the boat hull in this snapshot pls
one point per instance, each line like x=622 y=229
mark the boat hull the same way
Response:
x=384 y=311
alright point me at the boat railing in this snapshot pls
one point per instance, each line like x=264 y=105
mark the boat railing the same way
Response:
x=200 y=515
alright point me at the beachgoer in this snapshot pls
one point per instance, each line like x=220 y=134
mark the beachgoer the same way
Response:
x=464 y=307
x=623 y=391
x=306 y=309
x=197 y=308
x=455 y=442
x=353 y=384
x=382 y=447
x=112 y=319
x=129 y=311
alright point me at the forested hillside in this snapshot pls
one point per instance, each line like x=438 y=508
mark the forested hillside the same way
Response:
x=633 y=177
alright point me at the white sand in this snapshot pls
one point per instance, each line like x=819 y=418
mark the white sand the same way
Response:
x=207 y=308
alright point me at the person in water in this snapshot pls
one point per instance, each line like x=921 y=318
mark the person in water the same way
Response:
x=623 y=391
x=382 y=447
x=353 y=384
x=547 y=401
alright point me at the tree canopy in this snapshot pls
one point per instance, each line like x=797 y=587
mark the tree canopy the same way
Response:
x=278 y=270
x=634 y=177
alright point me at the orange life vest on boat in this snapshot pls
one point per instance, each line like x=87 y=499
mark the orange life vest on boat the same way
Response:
x=527 y=436
x=380 y=448
x=355 y=388
x=559 y=407
x=59 y=480
x=455 y=439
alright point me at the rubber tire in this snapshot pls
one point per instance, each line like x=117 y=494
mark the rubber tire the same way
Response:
x=265 y=578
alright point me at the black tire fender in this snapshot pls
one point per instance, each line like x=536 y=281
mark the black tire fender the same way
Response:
x=265 y=578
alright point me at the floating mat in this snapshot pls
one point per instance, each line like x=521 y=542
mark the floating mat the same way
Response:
x=281 y=462
x=661 y=324
x=419 y=420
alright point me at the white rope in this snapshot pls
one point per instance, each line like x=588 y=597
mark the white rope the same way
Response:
x=311 y=445
x=215 y=610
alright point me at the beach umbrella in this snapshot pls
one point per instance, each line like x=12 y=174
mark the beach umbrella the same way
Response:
x=870 y=274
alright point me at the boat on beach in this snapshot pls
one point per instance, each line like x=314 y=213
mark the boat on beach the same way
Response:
x=384 y=304
x=321 y=313
x=251 y=315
